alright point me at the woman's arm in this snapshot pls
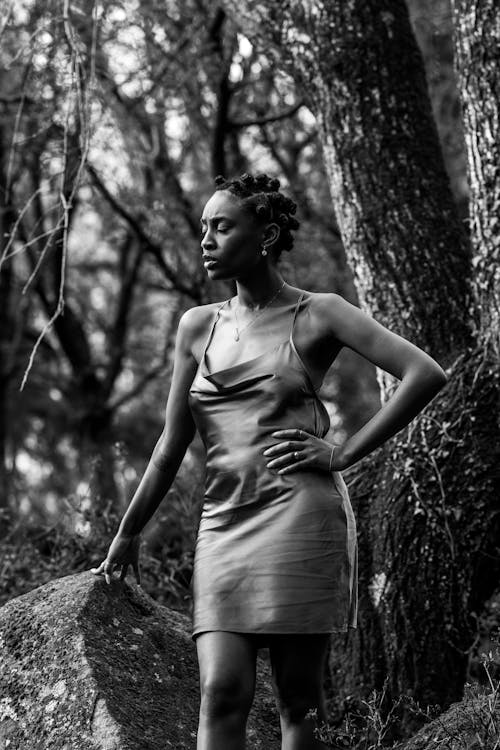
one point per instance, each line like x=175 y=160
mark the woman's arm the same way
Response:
x=174 y=440
x=421 y=378
x=420 y=375
x=166 y=458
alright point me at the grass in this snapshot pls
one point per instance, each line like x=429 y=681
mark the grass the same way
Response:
x=472 y=724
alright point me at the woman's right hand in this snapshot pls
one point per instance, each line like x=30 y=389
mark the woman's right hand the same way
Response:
x=123 y=551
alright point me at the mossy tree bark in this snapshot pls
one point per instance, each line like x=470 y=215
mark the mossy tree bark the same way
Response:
x=361 y=74
x=425 y=503
x=477 y=38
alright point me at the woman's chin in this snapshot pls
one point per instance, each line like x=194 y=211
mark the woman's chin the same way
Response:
x=216 y=272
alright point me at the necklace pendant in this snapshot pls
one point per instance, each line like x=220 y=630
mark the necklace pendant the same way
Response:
x=255 y=316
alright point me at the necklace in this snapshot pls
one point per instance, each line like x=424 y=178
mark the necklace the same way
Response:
x=238 y=330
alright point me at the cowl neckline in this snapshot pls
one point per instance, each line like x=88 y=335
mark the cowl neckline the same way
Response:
x=282 y=309
x=253 y=363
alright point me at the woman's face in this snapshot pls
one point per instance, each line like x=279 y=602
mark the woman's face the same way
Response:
x=231 y=238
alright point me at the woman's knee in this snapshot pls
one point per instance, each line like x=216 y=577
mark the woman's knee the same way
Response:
x=225 y=695
x=295 y=702
x=227 y=674
x=298 y=664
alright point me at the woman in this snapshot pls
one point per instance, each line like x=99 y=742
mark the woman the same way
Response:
x=276 y=554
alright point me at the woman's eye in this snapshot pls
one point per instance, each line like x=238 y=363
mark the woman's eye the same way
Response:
x=220 y=228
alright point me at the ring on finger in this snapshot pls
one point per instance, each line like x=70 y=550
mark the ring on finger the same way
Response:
x=296 y=455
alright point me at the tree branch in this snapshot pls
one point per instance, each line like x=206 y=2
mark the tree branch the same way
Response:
x=120 y=325
x=151 y=247
x=237 y=124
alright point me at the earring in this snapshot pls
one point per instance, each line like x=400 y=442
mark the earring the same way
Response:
x=264 y=251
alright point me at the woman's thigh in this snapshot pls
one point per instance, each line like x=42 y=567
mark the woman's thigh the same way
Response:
x=227 y=663
x=298 y=664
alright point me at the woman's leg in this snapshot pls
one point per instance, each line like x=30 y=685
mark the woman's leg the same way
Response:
x=298 y=663
x=227 y=683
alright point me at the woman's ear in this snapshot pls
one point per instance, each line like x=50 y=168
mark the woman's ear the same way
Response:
x=271 y=234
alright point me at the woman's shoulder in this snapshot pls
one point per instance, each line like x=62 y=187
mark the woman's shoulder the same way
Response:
x=325 y=303
x=329 y=312
x=321 y=299
x=195 y=320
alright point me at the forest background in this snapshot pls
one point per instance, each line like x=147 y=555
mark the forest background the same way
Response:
x=114 y=119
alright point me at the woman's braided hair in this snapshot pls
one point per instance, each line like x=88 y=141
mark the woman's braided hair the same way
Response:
x=260 y=195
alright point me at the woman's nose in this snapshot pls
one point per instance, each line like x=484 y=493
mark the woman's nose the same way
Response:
x=207 y=241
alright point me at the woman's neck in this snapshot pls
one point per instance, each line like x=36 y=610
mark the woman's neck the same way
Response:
x=257 y=289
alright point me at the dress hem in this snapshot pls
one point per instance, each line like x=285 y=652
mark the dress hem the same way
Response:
x=264 y=633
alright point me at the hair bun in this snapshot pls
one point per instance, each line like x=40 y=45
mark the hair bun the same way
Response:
x=247 y=179
x=260 y=194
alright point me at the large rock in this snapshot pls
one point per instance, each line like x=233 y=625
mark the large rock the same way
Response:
x=91 y=666
x=470 y=724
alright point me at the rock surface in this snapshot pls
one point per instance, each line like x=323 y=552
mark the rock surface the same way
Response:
x=470 y=724
x=87 y=666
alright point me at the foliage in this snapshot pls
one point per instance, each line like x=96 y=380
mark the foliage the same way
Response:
x=77 y=539
x=113 y=121
x=473 y=724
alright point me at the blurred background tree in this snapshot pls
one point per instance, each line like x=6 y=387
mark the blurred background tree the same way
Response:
x=114 y=119
x=114 y=123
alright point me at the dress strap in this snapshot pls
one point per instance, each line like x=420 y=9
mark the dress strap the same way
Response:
x=295 y=314
x=211 y=332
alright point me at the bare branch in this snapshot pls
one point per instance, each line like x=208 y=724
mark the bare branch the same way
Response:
x=237 y=124
x=139 y=386
x=119 y=330
x=5 y=254
x=46 y=328
x=14 y=98
x=6 y=17
x=148 y=244
x=68 y=190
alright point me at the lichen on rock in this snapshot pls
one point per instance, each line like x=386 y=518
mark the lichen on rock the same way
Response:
x=87 y=666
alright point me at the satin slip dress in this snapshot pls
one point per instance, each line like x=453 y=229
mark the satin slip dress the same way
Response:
x=275 y=553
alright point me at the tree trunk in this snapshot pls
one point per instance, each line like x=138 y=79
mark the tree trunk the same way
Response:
x=477 y=36
x=477 y=39
x=5 y=321
x=424 y=502
x=7 y=219
x=361 y=73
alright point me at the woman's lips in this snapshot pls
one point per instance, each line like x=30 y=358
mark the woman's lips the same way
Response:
x=210 y=264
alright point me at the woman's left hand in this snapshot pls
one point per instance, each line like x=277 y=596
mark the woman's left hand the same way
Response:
x=298 y=450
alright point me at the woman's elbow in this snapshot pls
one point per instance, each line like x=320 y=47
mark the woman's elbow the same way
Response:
x=433 y=375
x=424 y=371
